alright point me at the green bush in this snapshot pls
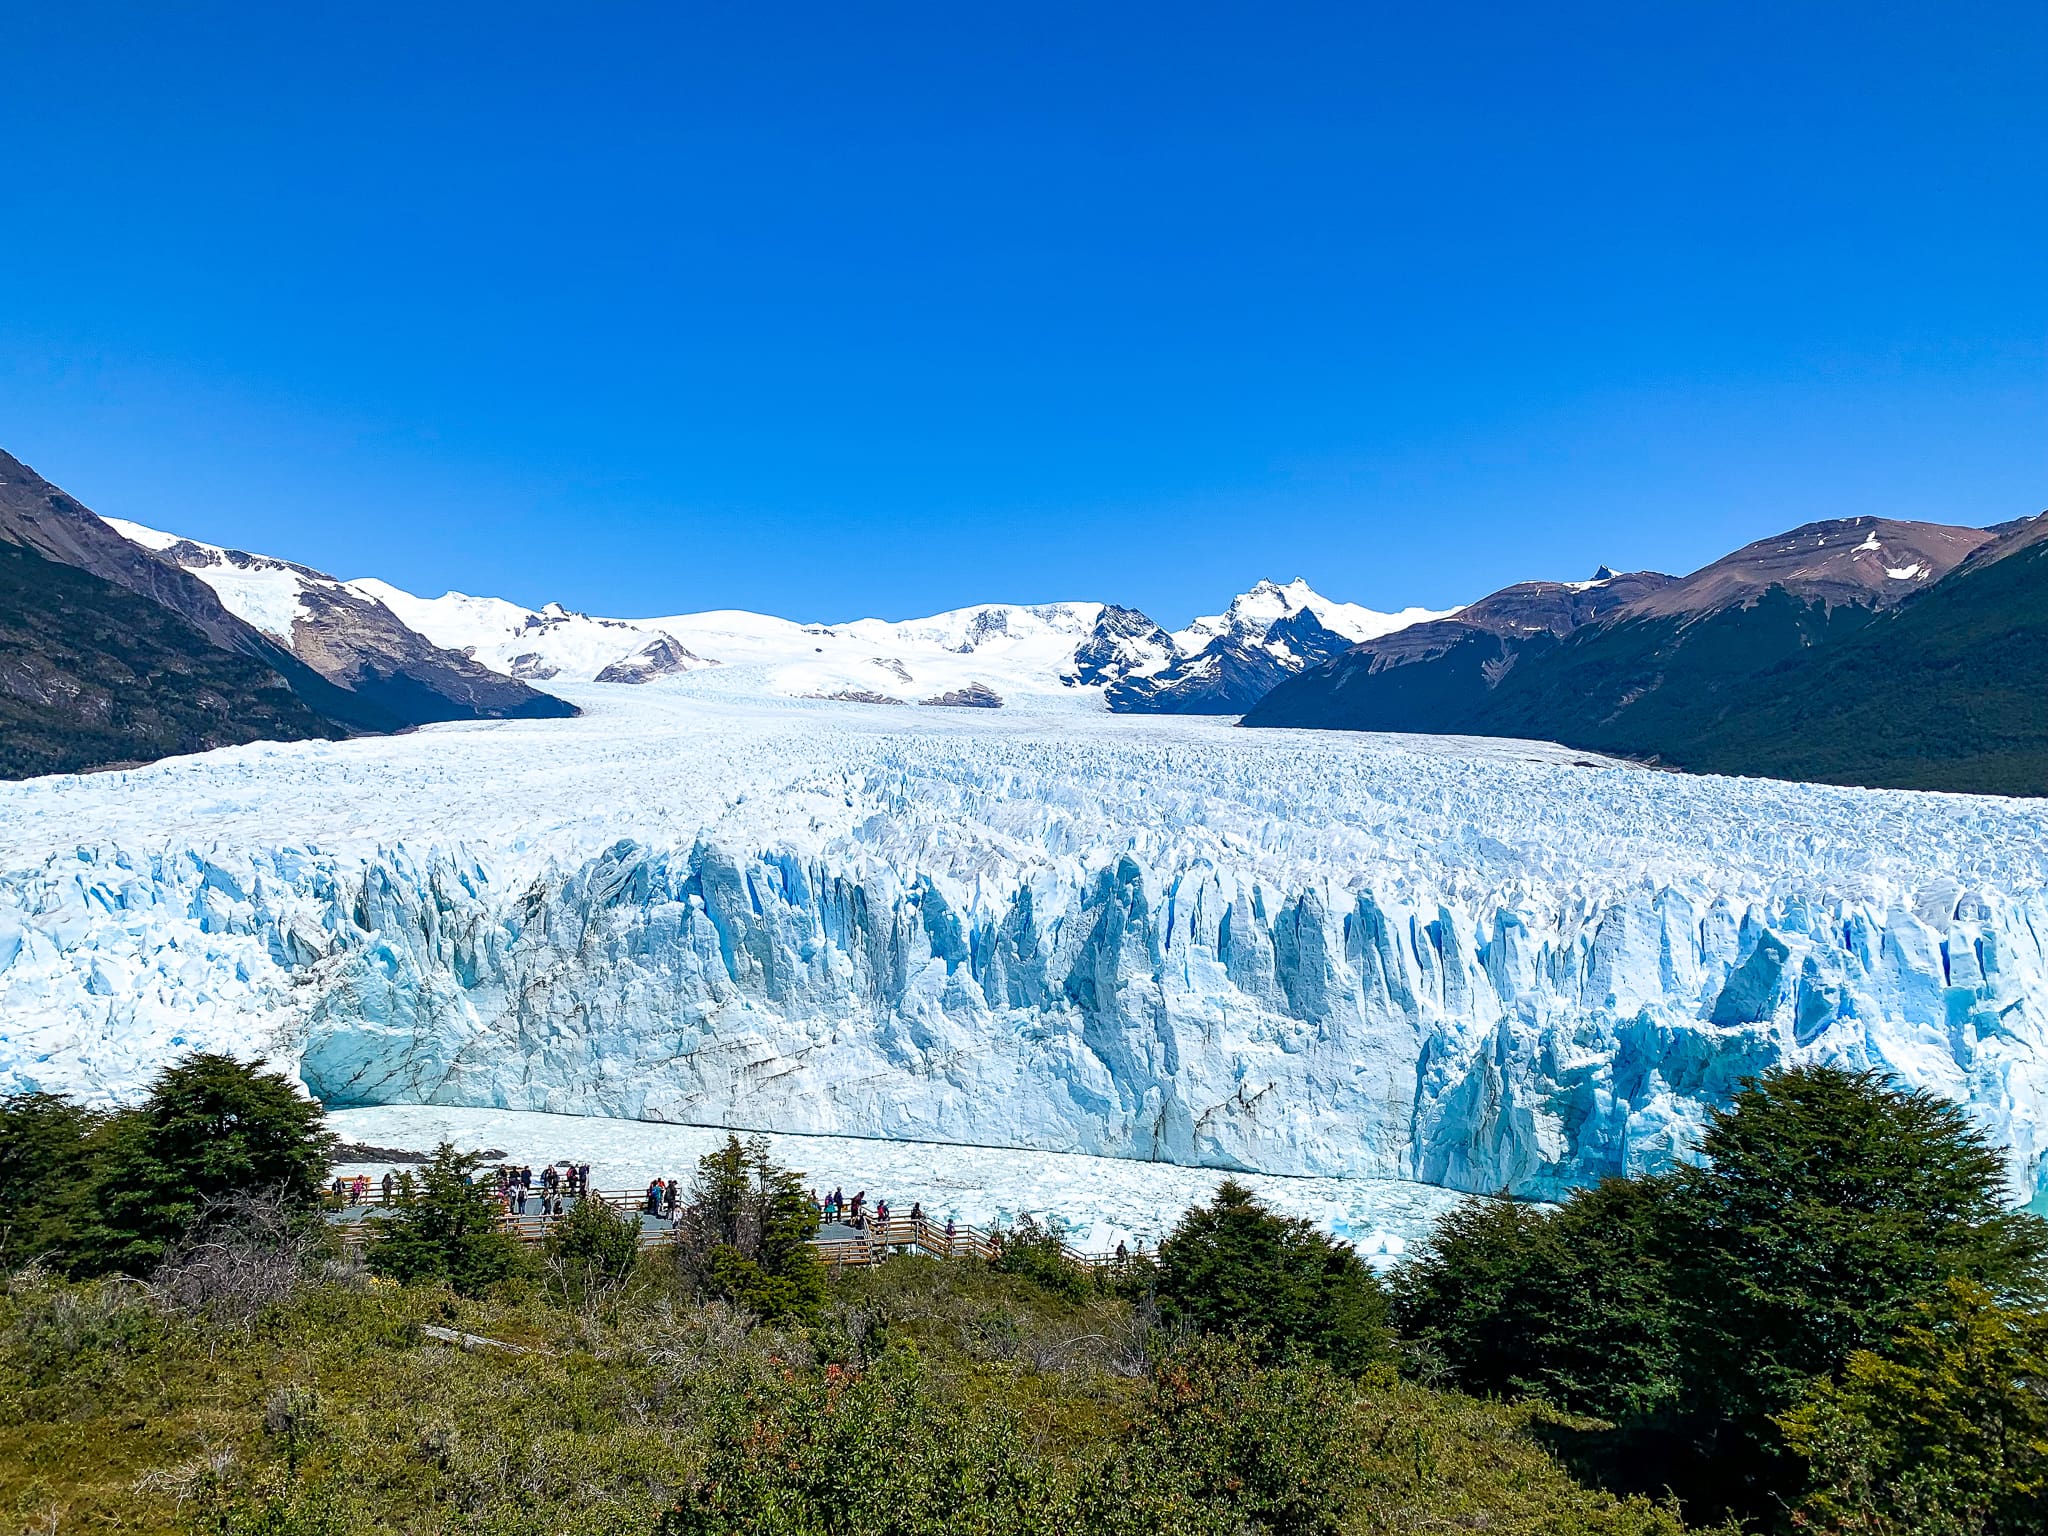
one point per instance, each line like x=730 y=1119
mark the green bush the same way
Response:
x=593 y=1246
x=1037 y=1253
x=1234 y=1267
x=1943 y=1434
x=1827 y=1209
x=1225 y=1445
x=444 y=1228
x=48 y=1147
x=1571 y=1305
x=872 y=1453
x=1695 y=1309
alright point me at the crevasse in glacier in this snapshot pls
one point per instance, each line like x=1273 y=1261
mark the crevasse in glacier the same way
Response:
x=1441 y=963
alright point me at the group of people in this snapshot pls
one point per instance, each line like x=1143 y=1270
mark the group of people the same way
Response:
x=559 y=1182
x=356 y=1191
x=554 y=1186
x=853 y=1211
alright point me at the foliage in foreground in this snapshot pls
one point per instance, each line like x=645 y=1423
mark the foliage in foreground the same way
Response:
x=1699 y=1308
x=1944 y=1434
x=925 y=1387
x=444 y=1228
x=1235 y=1267
x=94 y=1192
x=746 y=1234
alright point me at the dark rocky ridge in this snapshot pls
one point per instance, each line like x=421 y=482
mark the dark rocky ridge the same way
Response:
x=1857 y=651
x=111 y=655
x=95 y=675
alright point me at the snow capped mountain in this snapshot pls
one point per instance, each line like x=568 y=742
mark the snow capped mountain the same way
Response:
x=350 y=639
x=1482 y=965
x=1252 y=617
x=1226 y=663
x=539 y=645
x=1040 y=653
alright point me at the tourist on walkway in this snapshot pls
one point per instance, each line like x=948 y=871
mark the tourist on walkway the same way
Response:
x=390 y=1185
x=668 y=1200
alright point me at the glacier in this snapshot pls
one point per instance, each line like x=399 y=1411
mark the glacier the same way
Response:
x=1483 y=965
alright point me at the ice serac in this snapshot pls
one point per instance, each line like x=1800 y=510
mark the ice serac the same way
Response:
x=1134 y=1011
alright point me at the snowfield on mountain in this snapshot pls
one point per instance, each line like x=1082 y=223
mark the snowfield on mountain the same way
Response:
x=1479 y=964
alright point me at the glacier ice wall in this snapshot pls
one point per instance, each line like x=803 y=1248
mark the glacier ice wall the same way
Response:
x=1482 y=964
x=1123 y=1005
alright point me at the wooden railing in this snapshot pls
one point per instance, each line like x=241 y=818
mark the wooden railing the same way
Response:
x=871 y=1243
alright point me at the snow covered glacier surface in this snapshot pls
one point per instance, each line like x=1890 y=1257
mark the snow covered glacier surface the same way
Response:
x=1484 y=965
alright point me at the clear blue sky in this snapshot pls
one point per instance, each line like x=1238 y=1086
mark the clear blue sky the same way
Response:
x=844 y=309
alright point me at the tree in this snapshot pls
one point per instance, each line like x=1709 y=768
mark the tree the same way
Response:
x=211 y=1128
x=1943 y=1434
x=1571 y=1305
x=444 y=1228
x=1828 y=1207
x=48 y=1146
x=1235 y=1267
x=747 y=1230
x=594 y=1246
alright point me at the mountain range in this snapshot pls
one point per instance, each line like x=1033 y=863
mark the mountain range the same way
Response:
x=1856 y=651
x=1863 y=651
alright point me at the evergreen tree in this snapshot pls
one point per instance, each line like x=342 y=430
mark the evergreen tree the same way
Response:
x=747 y=1233
x=1571 y=1305
x=211 y=1127
x=1828 y=1207
x=1235 y=1267
x=1945 y=1433
x=48 y=1147
x=445 y=1228
x=594 y=1244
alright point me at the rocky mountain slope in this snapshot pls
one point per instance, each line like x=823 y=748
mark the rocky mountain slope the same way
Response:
x=94 y=679
x=351 y=639
x=1684 y=671
x=1948 y=690
x=1421 y=677
x=1223 y=665
x=94 y=675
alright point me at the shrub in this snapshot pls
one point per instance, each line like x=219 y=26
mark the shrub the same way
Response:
x=445 y=1228
x=48 y=1146
x=1226 y=1445
x=1943 y=1434
x=864 y=1454
x=245 y=1254
x=1828 y=1209
x=594 y=1247
x=1233 y=1266
x=1038 y=1253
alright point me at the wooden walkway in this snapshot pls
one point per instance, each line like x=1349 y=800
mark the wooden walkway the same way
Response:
x=839 y=1244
